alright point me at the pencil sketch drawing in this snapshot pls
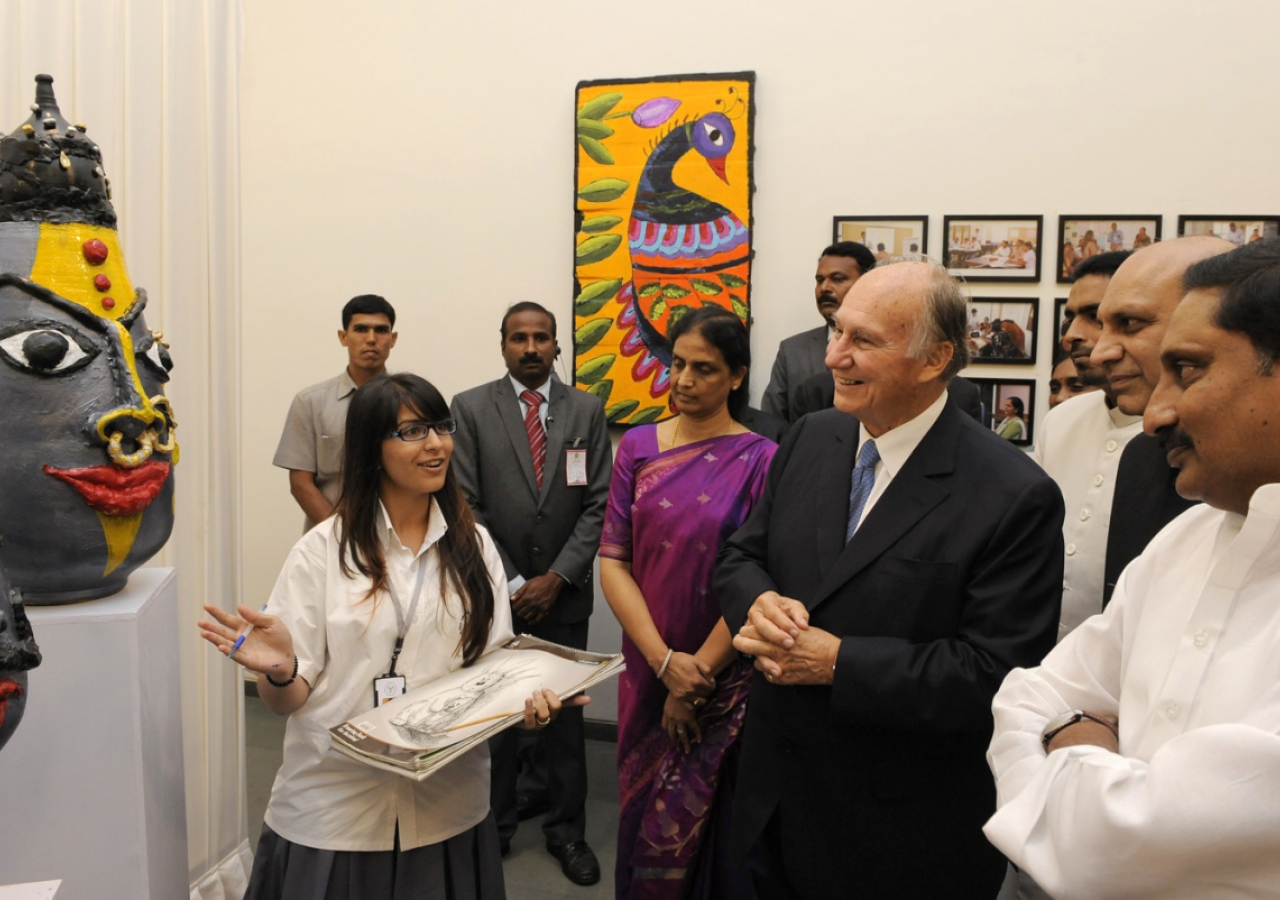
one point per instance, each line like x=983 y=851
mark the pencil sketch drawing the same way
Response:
x=427 y=723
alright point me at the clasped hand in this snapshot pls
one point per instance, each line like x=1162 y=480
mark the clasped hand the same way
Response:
x=532 y=601
x=786 y=648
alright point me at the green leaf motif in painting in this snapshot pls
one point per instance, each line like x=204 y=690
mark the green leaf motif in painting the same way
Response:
x=678 y=312
x=589 y=334
x=593 y=370
x=594 y=129
x=646 y=415
x=658 y=308
x=674 y=292
x=620 y=410
x=603 y=190
x=596 y=295
x=597 y=224
x=650 y=289
x=710 y=288
x=597 y=108
x=601 y=390
x=733 y=281
x=596 y=150
x=739 y=307
x=594 y=249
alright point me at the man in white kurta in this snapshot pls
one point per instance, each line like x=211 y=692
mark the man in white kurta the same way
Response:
x=1165 y=780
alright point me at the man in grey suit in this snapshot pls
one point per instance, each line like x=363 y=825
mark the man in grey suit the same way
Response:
x=804 y=355
x=533 y=458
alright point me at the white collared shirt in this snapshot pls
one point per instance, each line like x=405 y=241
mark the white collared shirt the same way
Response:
x=544 y=389
x=1187 y=657
x=896 y=446
x=328 y=801
x=1080 y=445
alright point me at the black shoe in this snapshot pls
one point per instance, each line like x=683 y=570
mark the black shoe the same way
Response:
x=527 y=807
x=577 y=861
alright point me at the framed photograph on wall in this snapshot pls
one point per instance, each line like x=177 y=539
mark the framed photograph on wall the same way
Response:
x=1080 y=237
x=1002 y=330
x=993 y=248
x=1239 y=230
x=1008 y=407
x=885 y=236
x=1059 y=319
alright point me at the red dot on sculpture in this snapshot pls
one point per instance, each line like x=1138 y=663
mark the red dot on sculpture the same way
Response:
x=95 y=252
x=102 y=282
x=108 y=302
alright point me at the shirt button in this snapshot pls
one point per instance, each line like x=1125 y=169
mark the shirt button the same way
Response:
x=1172 y=710
x=1111 y=446
x=537 y=549
x=1097 y=480
x=1201 y=639
x=538 y=518
x=1084 y=514
x=1071 y=549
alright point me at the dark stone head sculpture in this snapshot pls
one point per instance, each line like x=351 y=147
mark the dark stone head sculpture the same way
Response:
x=87 y=456
x=18 y=655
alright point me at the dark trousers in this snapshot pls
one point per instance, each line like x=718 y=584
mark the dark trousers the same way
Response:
x=557 y=755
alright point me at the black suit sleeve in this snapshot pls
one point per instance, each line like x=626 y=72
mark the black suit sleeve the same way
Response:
x=1007 y=617
x=466 y=454
x=740 y=574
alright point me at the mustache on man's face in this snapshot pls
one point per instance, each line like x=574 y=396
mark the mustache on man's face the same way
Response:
x=530 y=358
x=1176 y=439
x=827 y=297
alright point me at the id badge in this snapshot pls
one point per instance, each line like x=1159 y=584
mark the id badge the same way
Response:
x=575 y=467
x=387 y=688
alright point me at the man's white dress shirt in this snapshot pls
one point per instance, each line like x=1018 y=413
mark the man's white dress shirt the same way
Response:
x=1080 y=444
x=895 y=448
x=1187 y=656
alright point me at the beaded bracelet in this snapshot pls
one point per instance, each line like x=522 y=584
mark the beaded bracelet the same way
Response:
x=284 y=684
x=666 y=662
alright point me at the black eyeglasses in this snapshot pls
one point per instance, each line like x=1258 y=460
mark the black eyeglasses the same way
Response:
x=417 y=431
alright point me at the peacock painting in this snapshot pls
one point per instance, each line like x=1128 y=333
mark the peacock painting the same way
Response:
x=663 y=214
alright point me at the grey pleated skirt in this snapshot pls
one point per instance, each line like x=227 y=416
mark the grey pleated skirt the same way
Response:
x=467 y=866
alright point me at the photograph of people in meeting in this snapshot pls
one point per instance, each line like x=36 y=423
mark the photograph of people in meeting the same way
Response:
x=1081 y=237
x=993 y=248
x=1001 y=330
x=1008 y=407
x=1239 y=230
x=885 y=237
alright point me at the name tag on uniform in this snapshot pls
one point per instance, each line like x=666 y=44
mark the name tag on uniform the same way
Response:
x=575 y=467
x=387 y=688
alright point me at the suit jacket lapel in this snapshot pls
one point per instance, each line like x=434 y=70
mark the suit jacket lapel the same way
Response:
x=557 y=423
x=908 y=499
x=509 y=411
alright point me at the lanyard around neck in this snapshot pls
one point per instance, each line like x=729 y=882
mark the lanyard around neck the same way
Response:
x=403 y=620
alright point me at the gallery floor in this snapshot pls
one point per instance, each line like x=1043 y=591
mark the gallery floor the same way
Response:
x=530 y=872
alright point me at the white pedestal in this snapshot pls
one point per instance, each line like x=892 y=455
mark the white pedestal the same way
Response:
x=92 y=781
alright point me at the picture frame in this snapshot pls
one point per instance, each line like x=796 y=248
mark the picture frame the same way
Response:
x=1059 y=318
x=994 y=248
x=995 y=391
x=1220 y=226
x=1090 y=235
x=1002 y=330
x=888 y=235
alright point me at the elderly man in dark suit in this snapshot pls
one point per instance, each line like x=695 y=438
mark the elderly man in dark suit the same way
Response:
x=902 y=560
x=804 y=355
x=533 y=458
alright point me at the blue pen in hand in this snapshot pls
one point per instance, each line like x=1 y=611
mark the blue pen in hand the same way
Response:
x=244 y=634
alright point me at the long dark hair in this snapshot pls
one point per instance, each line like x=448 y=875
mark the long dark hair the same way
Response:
x=371 y=416
x=724 y=331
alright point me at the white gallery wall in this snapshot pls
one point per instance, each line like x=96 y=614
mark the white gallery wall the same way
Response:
x=424 y=151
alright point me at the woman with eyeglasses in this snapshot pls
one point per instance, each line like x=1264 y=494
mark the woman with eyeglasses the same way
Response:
x=398 y=588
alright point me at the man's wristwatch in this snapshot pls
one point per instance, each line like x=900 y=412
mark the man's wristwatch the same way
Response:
x=1069 y=718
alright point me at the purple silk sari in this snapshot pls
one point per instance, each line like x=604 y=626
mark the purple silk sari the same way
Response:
x=669 y=514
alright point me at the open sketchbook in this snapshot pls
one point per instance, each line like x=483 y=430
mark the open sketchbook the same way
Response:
x=427 y=728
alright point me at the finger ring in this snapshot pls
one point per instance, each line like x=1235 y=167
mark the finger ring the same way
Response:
x=768 y=678
x=541 y=723
x=698 y=701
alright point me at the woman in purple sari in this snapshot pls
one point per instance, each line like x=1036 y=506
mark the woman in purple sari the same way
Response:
x=679 y=489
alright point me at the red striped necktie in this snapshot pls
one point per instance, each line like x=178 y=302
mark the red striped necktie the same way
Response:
x=537 y=434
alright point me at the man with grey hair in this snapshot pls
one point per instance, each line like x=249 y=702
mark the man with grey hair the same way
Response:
x=902 y=559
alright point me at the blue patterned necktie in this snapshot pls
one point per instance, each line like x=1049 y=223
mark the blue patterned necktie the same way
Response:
x=864 y=478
